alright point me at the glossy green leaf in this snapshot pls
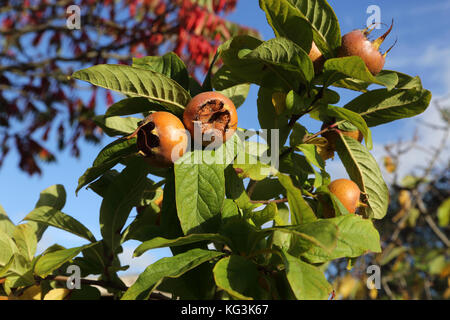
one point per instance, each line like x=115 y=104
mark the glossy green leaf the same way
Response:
x=301 y=211
x=55 y=218
x=120 y=198
x=326 y=29
x=352 y=117
x=136 y=82
x=238 y=276
x=26 y=240
x=117 y=126
x=168 y=64
x=365 y=172
x=49 y=262
x=6 y=225
x=200 y=191
x=159 y=242
x=237 y=93
x=306 y=281
x=287 y=21
x=383 y=106
x=131 y=106
x=285 y=54
x=356 y=236
x=172 y=267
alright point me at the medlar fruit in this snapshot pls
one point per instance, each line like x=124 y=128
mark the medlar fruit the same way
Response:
x=162 y=139
x=213 y=114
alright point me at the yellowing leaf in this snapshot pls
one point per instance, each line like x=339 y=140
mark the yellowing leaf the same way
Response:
x=57 y=294
x=279 y=102
x=347 y=286
x=389 y=164
x=373 y=294
x=31 y=293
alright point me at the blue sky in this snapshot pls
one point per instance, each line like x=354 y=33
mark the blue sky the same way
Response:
x=423 y=49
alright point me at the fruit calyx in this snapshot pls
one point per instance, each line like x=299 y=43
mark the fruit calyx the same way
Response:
x=210 y=117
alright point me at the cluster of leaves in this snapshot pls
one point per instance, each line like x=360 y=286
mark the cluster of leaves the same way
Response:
x=38 y=52
x=267 y=239
x=415 y=262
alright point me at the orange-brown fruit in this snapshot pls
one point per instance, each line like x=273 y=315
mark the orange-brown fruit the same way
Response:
x=355 y=43
x=214 y=114
x=162 y=139
x=317 y=58
x=348 y=194
x=332 y=137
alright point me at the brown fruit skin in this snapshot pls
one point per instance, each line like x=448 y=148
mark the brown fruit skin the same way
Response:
x=317 y=58
x=355 y=43
x=347 y=192
x=194 y=106
x=171 y=133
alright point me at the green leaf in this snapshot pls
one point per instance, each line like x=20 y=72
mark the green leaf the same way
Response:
x=117 y=126
x=94 y=172
x=26 y=240
x=352 y=117
x=301 y=211
x=159 y=242
x=235 y=190
x=131 y=106
x=237 y=93
x=325 y=25
x=285 y=54
x=6 y=225
x=7 y=249
x=169 y=65
x=443 y=213
x=238 y=277
x=116 y=150
x=320 y=233
x=306 y=281
x=54 y=196
x=49 y=262
x=353 y=67
x=269 y=119
x=286 y=21
x=382 y=106
x=364 y=171
x=250 y=167
x=200 y=191
x=120 y=198
x=267 y=189
x=172 y=267
x=262 y=216
x=137 y=82
x=356 y=236
x=52 y=217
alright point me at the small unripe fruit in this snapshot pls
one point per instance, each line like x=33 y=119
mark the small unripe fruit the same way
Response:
x=355 y=43
x=162 y=139
x=214 y=114
x=348 y=194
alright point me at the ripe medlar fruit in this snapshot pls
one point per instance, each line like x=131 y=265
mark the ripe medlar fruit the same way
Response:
x=162 y=139
x=355 y=43
x=213 y=114
x=348 y=194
